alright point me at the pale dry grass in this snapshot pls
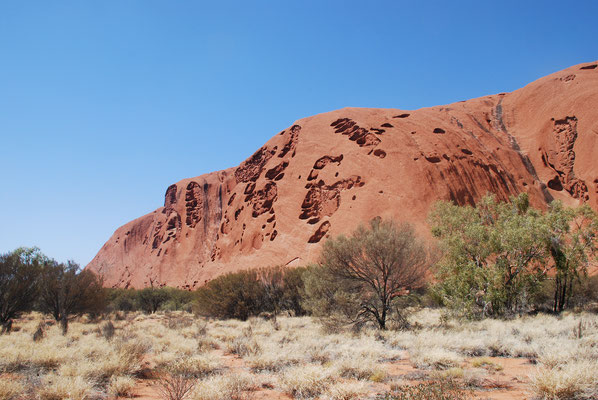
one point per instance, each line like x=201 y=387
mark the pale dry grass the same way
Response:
x=295 y=355
x=432 y=357
x=56 y=387
x=571 y=380
x=520 y=337
x=566 y=356
x=10 y=388
x=359 y=368
x=223 y=387
x=121 y=386
x=306 y=381
x=345 y=391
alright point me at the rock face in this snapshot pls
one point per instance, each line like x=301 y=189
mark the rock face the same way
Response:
x=328 y=173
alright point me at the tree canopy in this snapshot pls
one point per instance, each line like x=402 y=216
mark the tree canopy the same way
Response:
x=360 y=277
x=495 y=254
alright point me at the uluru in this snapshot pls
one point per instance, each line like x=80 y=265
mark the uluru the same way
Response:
x=327 y=173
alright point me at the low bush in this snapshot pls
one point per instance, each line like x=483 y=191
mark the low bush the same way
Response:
x=243 y=294
x=149 y=300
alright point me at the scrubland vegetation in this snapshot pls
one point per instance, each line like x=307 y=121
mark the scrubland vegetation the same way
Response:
x=511 y=312
x=298 y=358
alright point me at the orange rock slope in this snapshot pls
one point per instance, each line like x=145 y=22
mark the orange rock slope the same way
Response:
x=328 y=173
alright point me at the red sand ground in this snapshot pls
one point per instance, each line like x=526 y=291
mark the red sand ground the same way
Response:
x=328 y=173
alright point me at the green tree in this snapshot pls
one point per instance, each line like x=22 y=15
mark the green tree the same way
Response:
x=572 y=239
x=151 y=298
x=360 y=277
x=494 y=255
x=19 y=272
x=65 y=290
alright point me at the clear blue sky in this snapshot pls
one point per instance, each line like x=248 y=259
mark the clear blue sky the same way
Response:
x=103 y=104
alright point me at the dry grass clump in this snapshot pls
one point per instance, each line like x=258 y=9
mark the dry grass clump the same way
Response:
x=10 y=388
x=207 y=344
x=306 y=381
x=345 y=391
x=360 y=369
x=470 y=378
x=571 y=380
x=486 y=363
x=430 y=357
x=567 y=365
x=243 y=346
x=121 y=386
x=223 y=387
x=196 y=366
x=56 y=387
x=270 y=361
x=432 y=390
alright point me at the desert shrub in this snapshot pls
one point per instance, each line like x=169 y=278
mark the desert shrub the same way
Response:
x=283 y=289
x=244 y=346
x=172 y=386
x=178 y=300
x=234 y=295
x=585 y=294
x=107 y=329
x=149 y=300
x=361 y=278
x=254 y=292
x=39 y=332
x=122 y=299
